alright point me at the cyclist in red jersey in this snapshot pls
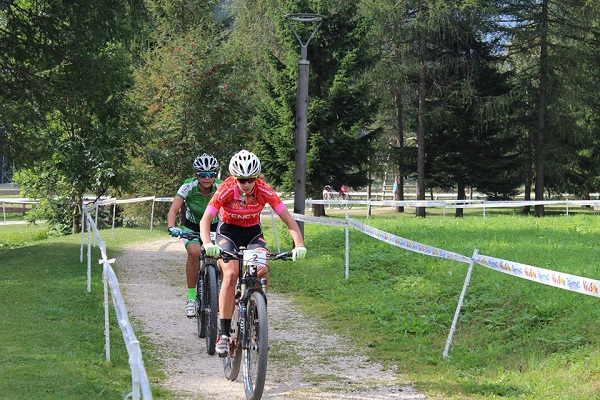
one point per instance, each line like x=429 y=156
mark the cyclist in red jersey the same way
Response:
x=239 y=201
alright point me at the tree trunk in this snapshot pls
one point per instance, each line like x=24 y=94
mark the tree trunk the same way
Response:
x=399 y=176
x=318 y=210
x=75 y=200
x=528 y=173
x=420 y=211
x=369 y=186
x=460 y=195
x=540 y=142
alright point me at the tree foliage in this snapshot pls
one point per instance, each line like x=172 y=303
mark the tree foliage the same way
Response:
x=497 y=96
x=552 y=46
x=67 y=69
x=195 y=96
x=339 y=105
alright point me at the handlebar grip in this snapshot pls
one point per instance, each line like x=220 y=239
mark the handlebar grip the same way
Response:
x=282 y=256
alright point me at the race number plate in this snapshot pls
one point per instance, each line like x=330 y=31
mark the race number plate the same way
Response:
x=255 y=257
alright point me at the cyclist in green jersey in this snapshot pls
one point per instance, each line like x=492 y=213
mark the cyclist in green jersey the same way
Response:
x=195 y=193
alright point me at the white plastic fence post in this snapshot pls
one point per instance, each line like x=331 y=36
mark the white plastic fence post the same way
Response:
x=4 y=213
x=460 y=303
x=114 y=214
x=105 y=266
x=89 y=257
x=82 y=231
x=347 y=247
x=152 y=216
x=135 y=369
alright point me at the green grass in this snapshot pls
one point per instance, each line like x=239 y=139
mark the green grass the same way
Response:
x=52 y=330
x=515 y=339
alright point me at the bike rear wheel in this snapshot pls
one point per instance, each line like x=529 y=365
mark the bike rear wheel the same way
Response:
x=231 y=363
x=211 y=311
x=257 y=349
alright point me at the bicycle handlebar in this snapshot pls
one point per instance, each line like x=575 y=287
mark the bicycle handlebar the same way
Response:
x=229 y=255
x=190 y=235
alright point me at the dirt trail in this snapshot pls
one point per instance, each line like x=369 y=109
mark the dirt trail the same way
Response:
x=305 y=361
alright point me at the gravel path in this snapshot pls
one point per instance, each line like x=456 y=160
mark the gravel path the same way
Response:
x=152 y=277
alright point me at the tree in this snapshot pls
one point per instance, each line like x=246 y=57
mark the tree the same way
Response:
x=69 y=121
x=389 y=82
x=438 y=77
x=548 y=41
x=195 y=94
x=470 y=142
x=339 y=105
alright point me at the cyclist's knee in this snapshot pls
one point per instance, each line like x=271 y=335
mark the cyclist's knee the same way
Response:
x=263 y=272
x=194 y=251
x=229 y=272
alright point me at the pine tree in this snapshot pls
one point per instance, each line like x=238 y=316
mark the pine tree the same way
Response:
x=339 y=105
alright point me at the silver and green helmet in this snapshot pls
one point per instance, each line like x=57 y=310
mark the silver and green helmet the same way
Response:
x=206 y=163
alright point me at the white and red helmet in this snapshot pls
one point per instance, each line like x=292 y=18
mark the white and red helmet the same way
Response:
x=244 y=164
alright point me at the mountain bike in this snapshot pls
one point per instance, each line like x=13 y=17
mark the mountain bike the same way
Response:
x=249 y=336
x=328 y=195
x=347 y=198
x=207 y=296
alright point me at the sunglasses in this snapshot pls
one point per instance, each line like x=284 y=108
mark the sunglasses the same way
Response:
x=207 y=174
x=245 y=180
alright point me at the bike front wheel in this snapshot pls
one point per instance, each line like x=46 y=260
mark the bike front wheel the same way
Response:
x=256 y=349
x=345 y=202
x=231 y=363
x=349 y=198
x=211 y=310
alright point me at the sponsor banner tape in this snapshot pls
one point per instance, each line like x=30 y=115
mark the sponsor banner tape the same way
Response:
x=406 y=243
x=319 y=220
x=135 y=200
x=561 y=280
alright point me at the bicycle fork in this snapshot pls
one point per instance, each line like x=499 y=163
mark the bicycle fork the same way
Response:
x=243 y=305
x=243 y=331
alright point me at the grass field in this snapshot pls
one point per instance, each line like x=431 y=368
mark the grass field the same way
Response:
x=52 y=330
x=515 y=339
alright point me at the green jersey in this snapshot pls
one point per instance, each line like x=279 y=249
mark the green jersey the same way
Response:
x=196 y=202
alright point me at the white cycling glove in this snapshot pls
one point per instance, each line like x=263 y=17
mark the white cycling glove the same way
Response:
x=298 y=253
x=212 y=250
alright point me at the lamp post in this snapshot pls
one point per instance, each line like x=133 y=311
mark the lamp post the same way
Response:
x=301 y=111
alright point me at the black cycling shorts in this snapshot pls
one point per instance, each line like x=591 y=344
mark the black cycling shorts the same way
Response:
x=196 y=228
x=237 y=236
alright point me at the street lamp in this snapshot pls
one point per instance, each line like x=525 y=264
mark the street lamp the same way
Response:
x=301 y=110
